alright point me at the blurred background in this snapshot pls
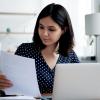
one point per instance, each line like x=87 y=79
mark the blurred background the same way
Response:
x=18 y=17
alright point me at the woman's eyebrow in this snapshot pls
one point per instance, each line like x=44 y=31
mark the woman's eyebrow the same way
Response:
x=46 y=26
x=40 y=24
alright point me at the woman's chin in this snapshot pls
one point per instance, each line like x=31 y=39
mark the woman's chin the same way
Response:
x=46 y=43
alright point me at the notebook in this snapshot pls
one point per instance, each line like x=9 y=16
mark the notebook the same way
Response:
x=78 y=81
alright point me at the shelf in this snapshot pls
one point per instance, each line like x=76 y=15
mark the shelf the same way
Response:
x=16 y=33
x=15 y=13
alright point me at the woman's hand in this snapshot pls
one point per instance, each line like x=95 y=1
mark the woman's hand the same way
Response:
x=4 y=82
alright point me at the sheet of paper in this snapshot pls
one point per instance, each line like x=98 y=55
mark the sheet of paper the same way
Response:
x=21 y=71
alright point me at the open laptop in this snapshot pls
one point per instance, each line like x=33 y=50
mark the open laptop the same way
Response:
x=78 y=81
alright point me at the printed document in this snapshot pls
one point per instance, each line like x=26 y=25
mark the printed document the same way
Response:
x=22 y=73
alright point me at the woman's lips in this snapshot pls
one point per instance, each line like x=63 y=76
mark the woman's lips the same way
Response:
x=46 y=39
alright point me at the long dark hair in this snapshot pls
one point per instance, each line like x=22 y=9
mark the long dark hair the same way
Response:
x=59 y=14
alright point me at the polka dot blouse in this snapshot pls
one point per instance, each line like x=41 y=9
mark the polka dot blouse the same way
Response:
x=45 y=75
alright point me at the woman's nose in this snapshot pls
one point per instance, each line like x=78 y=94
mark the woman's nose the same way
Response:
x=46 y=32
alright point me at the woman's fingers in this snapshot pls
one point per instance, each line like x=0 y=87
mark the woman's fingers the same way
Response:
x=4 y=86
x=2 y=76
x=4 y=82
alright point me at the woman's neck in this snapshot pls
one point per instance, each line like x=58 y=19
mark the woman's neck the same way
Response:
x=50 y=50
x=50 y=56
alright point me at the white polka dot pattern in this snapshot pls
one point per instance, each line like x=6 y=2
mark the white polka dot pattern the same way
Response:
x=45 y=75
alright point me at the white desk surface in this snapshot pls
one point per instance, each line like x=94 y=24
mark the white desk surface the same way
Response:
x=17 y=98
x=44 y=97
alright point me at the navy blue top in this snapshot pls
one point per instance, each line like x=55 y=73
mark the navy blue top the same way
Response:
x=45 y=75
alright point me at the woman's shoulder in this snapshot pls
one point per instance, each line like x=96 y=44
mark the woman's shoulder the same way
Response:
x=71 y=57
x=26 y=45
x=26 y=49
x=72 y=53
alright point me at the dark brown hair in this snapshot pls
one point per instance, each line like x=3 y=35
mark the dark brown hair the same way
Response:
x=59 y=14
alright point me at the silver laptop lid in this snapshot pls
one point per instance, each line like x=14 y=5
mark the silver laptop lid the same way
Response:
x=79 y=81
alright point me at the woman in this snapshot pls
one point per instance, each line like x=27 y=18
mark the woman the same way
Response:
x=53 y=43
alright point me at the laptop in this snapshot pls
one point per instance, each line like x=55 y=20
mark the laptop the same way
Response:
x=78 y=81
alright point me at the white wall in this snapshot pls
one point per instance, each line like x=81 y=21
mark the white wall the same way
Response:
x=21 y=26
x=18 y=23
x=28 y=6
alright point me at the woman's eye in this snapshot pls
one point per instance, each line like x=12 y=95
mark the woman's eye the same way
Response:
x=51 y=29
x=41 y=27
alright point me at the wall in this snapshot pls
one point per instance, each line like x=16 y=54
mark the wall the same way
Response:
x=18 y=15
x=17 y=21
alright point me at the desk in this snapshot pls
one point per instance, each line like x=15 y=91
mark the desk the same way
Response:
x=18 y=98
x=44 y=97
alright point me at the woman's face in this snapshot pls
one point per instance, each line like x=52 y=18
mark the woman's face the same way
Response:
x=49 y=31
